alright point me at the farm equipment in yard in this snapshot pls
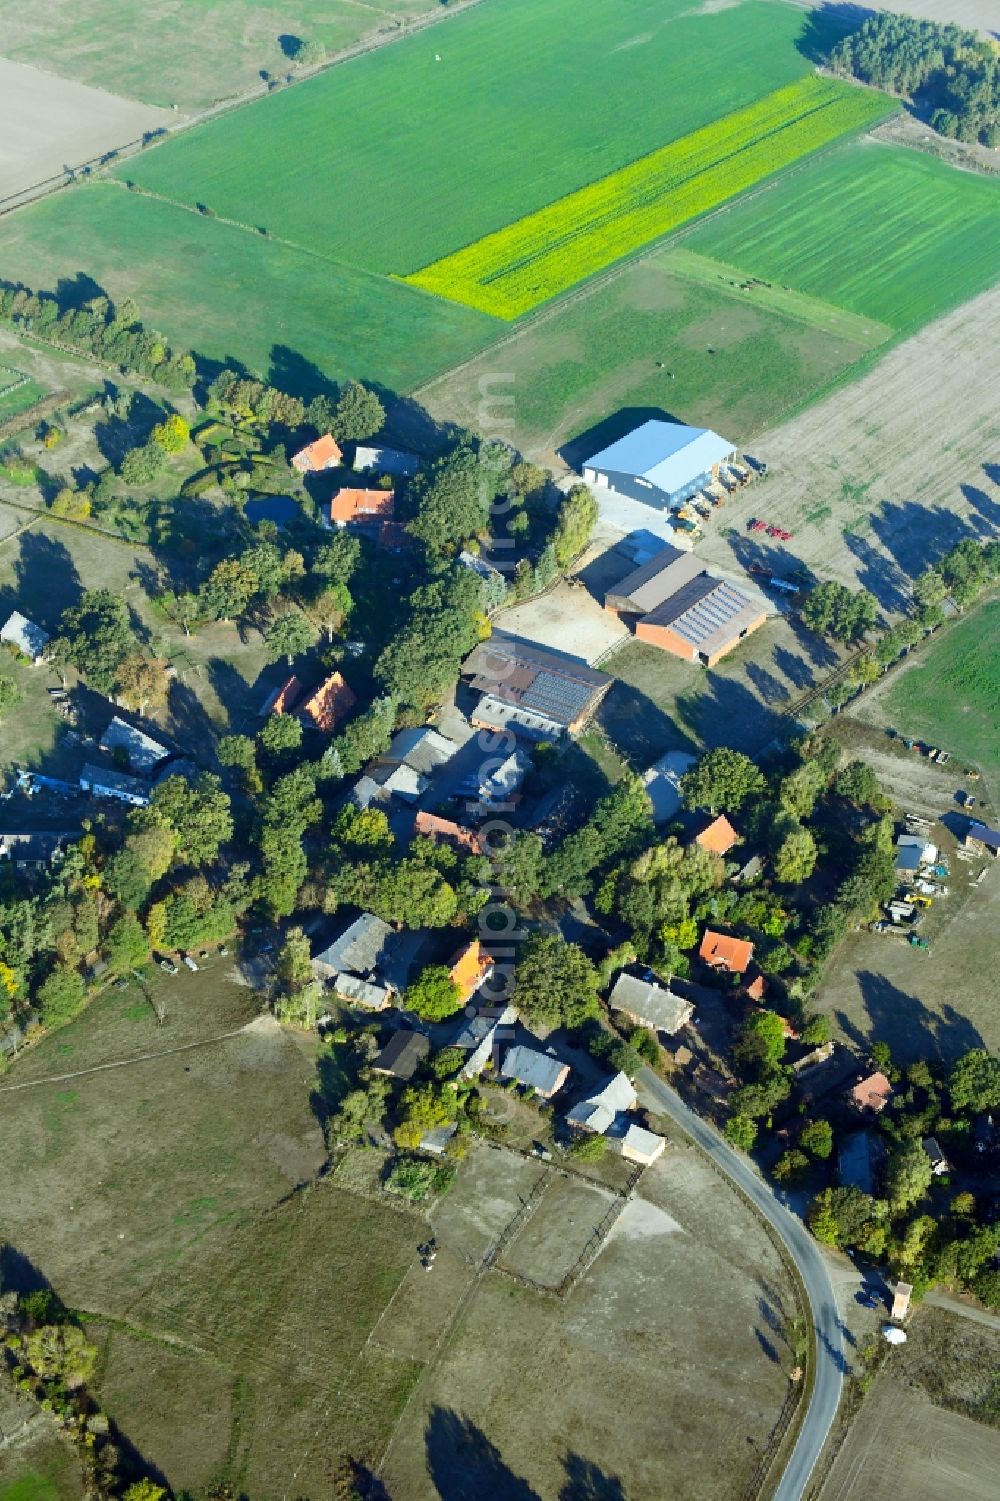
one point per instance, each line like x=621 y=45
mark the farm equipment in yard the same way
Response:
x=753 y=525
x=919 y=943
x=943 y=757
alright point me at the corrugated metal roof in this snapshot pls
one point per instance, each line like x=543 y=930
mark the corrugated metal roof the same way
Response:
x=706 y=612
x=667 y=454
x=646 y=587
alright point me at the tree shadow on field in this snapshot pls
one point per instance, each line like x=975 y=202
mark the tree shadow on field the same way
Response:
x=912 y=1030
x=464 y=1465
x=987 y=517
x=879 y=574
x=639 y=727
x=73 y=292
x=824 y=27
x=608 y=431
x=47 y=579
x=917 y=535
x=292 y=372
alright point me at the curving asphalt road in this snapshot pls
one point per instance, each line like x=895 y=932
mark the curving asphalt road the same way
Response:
x=829 y=1342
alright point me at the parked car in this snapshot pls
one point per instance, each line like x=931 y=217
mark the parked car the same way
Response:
x=192 y=966
x=168 y=966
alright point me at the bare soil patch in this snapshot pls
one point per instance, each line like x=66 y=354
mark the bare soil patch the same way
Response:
x=662 y=1372
x=48 y=124
x=566 y=619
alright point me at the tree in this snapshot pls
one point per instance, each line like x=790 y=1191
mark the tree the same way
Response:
x=762 y=1039
x=587 y=1147
x=816 y=1031
x=452 y=500
x=518 y=866
x=281 y=733
x=816 y=1138
x=127 y=945
x=741 y=1131
x=140 y=466
x=96 y=636
x=762 y=1097
x=555 y=982
x=974 y=1082
x=132 y=870
x=422 y=1108
x=294 y=962
x=908 y=1175
x=575 y=522
x=848 y=1217
x=141 y=683
x=73 y=505
x=723 y=778
x=61 y=995
x=358 y=414
x=433 y=995
x=791 y=1167
x=145 y=1490
x=800 y=789
x=62 y=1353
x=310 y=53
x=197 y=814
x=288 y=634
x=228 y=589
x=795 y=859
x=172 y=434
x=240 y=751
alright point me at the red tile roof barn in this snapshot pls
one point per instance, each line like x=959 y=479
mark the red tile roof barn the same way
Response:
x=873 y=1093
x=325 y=453
x=287 y=696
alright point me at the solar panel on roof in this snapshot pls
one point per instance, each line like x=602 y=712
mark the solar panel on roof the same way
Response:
x=710 y=614
x=559 y=697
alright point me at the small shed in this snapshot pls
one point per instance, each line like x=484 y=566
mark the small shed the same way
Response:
x=29 y=638
x=938 y=1161
x=640 y=1145
x=542 y=1072
x=901 y=1300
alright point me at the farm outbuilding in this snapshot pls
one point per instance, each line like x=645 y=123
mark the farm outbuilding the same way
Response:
x=673 y=602
x=660 y=463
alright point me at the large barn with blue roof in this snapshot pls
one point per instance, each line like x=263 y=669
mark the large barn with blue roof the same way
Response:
x=660 y=463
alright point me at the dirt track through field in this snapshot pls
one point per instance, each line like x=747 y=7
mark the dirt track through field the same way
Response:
x=889 y=471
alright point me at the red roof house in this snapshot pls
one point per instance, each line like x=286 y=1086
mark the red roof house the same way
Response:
x=470 y=967
x=330 y=702
x=722 y=952
x=443 y=831
x=325 y=453
x=718 y=835
x=362 y=506
x=872 y=1093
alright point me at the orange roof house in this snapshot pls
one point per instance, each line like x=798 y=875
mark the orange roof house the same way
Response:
x=718 y=835
x=325 y=453
x=721 y=952
x=470 y=967
x=361 y=506
x=331 y=701
x=873 y=1093
x=443 y=831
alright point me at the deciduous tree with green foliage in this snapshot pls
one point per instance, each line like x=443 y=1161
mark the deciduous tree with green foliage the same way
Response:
x=554 y=982
x=722 y=779
x=433 y=995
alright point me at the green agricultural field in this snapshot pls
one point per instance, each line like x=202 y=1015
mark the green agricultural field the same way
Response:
x=950 y=696
x=398 y=158
x=882 y=231
x=225 y=292
x=527 y=263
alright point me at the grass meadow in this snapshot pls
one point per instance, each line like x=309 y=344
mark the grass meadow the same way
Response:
x=527 y=263
x=401 y=156
x=950 y=696
x=883 y=231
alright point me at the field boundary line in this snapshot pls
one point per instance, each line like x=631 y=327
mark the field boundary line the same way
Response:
x=100 y=1068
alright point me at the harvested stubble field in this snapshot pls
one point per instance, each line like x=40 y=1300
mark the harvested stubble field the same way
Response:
x=529 y=1395
x=517 y=268
x=47 y=123
x=916 y=1435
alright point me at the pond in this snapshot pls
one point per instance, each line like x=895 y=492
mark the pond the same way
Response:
x=281 y=509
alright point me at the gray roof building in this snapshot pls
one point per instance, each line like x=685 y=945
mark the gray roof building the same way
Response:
x=144 y=753
x=639 y=1145
x=542 y=1072
x=423 y=748
x=23 y=633
x=359 y=950
x=114 y=784
x=650 y=1005
x=662 y=782
x=363 y=993
x=385 y=461
x=598 y=1111
x=981 y=833
x=402 y=1055
x=707 y=613
x=659 y=463
x=34 y=848
x=648 y=586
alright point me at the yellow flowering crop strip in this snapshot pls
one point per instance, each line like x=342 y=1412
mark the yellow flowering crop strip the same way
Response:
x=513 y=270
